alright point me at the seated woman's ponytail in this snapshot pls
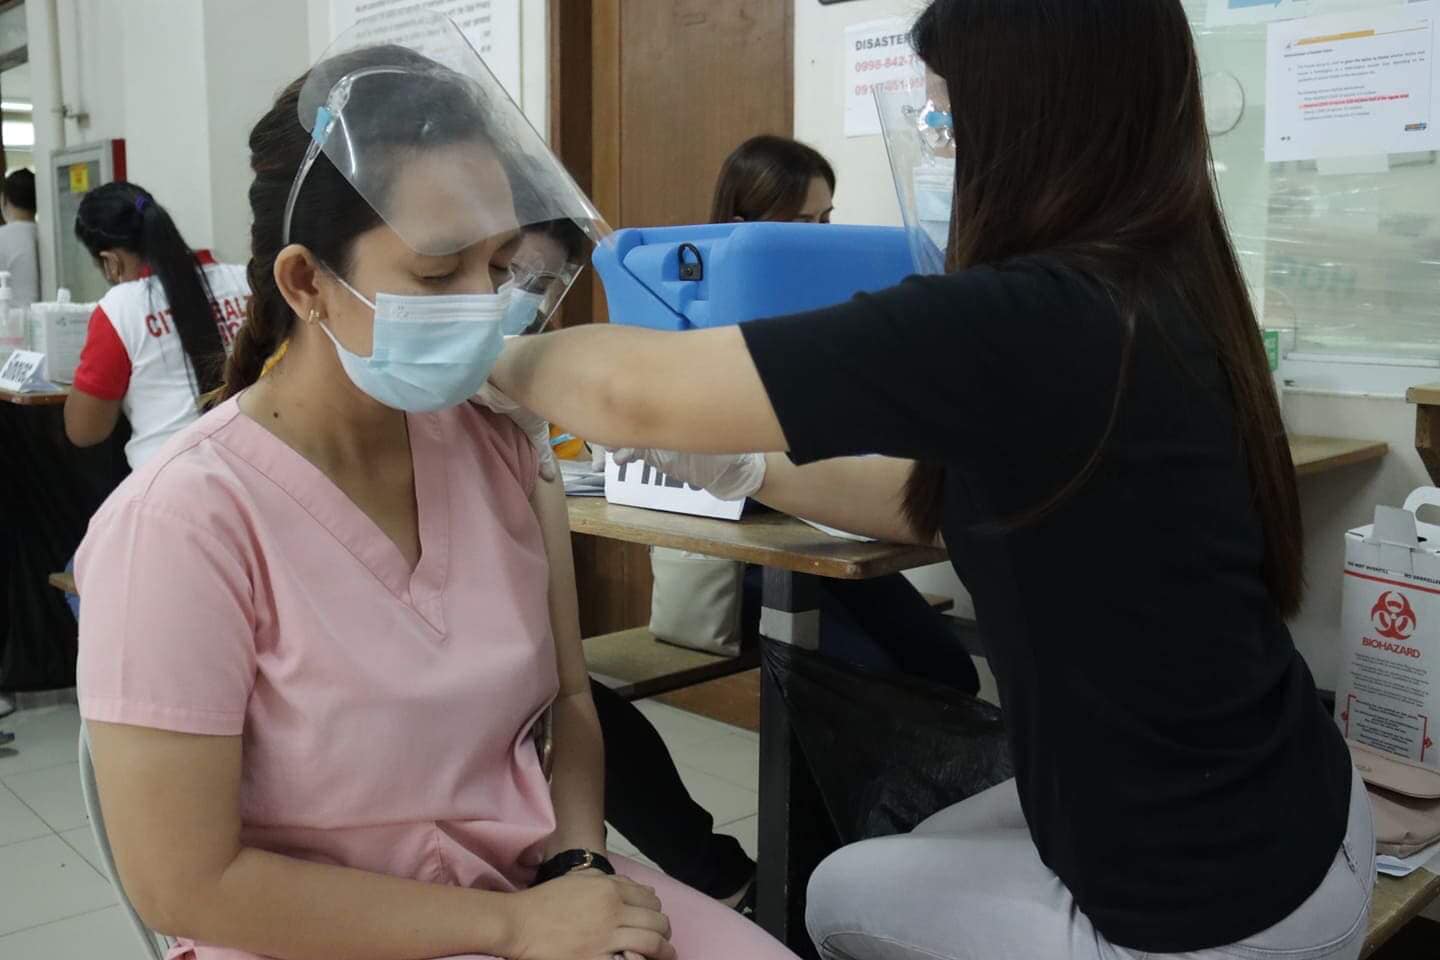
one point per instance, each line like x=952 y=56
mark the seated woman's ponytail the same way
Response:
x=124 y=216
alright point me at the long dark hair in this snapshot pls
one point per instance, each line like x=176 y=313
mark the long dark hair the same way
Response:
x=1080 y=134
x=329 y=214
x=767 y=178
x=125 y=216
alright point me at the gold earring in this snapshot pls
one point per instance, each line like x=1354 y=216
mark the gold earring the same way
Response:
x=314 y=315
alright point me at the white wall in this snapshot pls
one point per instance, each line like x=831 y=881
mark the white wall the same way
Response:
x=534 y=55
x=182 y=81
x=864 y=189
x=166 y=122
x=250 y=61
x=91 y=37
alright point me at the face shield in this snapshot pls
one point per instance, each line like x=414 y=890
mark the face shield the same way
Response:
x=432 y=142
x=918 y=131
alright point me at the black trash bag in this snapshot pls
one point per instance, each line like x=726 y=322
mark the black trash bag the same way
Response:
x=48 y=491
x=886 y=750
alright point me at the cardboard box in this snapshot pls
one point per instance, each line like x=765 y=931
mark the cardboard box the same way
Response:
x=641 y=485
x=1388 y=694
x=58 y=330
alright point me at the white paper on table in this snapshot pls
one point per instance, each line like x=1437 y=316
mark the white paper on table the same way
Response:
x=877 y=53
x=841 y=534
x=24 y=372
x=1352 y=83
x=581 y=479
x=1404 y=866
x=1227 y=13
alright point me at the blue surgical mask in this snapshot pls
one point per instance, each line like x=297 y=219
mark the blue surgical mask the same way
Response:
x=430 y=352
x=523 y=312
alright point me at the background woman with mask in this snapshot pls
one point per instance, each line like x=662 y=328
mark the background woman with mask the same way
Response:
x=158 y=338
x=1088 y=376
x=321 y=631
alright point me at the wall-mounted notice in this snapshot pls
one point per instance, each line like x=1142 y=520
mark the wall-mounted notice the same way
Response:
x=491 y=26
x=1225 y=13
x=1352 y=83
x=877 y=53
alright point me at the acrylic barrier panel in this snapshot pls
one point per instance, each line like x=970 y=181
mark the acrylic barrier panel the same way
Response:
x=1339 y=241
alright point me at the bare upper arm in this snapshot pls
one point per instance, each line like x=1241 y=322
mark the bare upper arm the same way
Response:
x=171 y=807
x=627 y=387
x=89 y=419
x=548 y=501
x=700 y=392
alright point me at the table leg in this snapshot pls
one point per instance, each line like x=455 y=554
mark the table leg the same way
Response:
x=793 y=825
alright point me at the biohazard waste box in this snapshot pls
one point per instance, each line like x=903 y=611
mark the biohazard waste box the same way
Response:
x=1388 y=694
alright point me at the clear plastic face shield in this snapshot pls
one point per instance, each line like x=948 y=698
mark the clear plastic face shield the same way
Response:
x=433 y=143
x=918 y=131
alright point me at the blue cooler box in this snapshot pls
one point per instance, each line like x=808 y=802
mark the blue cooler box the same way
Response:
x=713 y=275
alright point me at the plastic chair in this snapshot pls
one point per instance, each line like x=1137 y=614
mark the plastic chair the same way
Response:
x=156 y=945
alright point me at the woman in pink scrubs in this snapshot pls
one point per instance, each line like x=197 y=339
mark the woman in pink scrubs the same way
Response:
x=321 y=625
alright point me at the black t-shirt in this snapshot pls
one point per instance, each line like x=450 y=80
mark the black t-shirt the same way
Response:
x=1176 y=767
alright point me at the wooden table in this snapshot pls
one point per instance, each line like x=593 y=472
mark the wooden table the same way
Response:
x=795 y=558
x=48 y=398
x=1397 y=901
x=1314 y=455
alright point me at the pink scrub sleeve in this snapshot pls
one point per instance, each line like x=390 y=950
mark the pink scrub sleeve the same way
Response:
x=167 y=625
x=511 y=443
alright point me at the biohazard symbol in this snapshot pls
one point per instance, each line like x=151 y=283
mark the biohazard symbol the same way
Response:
x=1393 y=616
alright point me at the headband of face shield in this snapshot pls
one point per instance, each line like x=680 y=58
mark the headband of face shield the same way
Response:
x=429 y=138
x=919 y=135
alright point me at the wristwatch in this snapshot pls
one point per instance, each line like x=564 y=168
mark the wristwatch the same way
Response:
x=568 y=862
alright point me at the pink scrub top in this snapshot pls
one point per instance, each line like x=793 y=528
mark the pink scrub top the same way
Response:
x=229 y=588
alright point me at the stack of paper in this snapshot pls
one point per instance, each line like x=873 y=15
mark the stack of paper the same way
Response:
x=582 y=480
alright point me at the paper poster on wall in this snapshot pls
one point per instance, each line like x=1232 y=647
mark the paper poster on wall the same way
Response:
x=877 y=53
x=491 y=26
x=1352 y=83
x=1226 y=13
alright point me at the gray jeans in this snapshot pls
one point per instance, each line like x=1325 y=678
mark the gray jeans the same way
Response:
x=968 y=883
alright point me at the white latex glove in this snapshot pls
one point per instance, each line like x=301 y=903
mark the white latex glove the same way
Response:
x=534 y=427
x=725 y=476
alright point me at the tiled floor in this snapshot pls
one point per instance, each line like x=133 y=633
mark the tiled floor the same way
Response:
x=55 y=903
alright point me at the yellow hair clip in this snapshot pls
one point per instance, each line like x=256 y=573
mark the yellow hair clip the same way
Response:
x=275 y=357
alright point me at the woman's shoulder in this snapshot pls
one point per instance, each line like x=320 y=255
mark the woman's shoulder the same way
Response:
x=125 y=298
x=496 y=438
x=191 y=479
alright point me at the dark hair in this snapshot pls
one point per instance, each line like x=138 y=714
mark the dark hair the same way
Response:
x=767 y=178
x=1080 y=134
x=20 y=190
x=440 y=107
x=124 y=216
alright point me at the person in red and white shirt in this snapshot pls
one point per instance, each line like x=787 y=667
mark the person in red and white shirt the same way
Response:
x=158 y=339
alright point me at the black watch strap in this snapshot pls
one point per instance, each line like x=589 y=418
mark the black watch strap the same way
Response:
x=571 y=860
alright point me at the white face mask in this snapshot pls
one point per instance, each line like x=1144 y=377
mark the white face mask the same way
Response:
x=430 y=352
x=934 y=200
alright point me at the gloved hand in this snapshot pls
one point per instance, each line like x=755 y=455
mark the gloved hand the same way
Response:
x=534 y=427
x=725 y=476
